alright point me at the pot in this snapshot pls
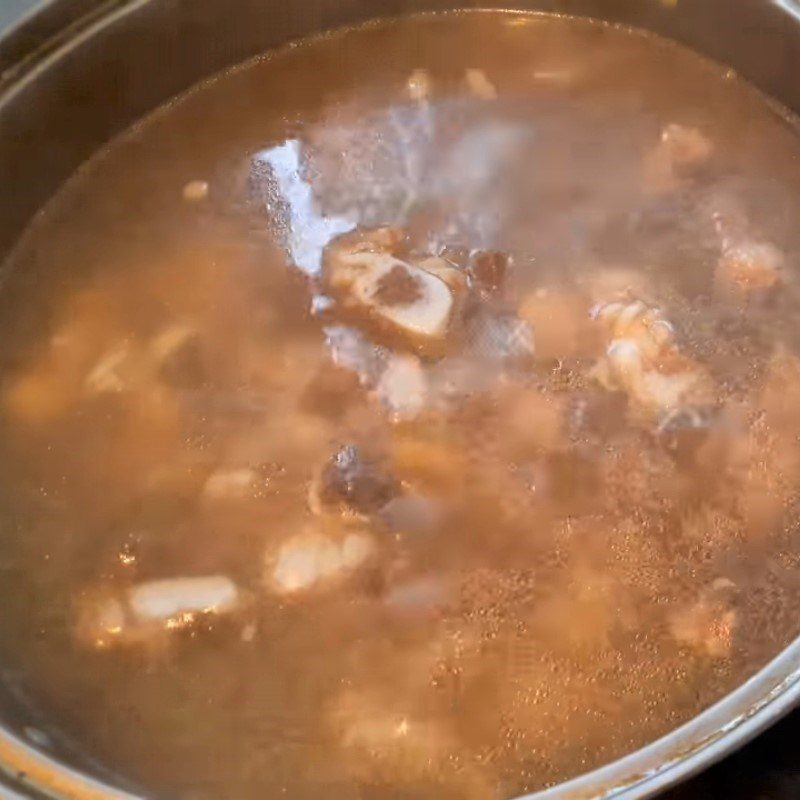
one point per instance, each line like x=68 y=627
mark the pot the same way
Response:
x=87 y=69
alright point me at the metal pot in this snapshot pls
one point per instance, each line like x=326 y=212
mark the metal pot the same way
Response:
x=87 y=69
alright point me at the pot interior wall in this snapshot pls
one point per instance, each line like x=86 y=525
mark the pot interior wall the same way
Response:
x=80 y=72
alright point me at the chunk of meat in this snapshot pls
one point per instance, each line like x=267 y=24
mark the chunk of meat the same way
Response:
x=479 y=84
x=144 y=612
x=643 y=360
x=312 y=559
x=395 y=297
x=113 y=373
x=383 y=741
x=419 y=85
x=707 y=626
x=195 y=191
x=685 y=146
x=353 y=481
x=748 y=269
x=442 y=268
x=680 y=150
x=177 y=355
x=172 y=356
x=638 y=322
x=230 y=484
x=403 y=387
x=488 y=269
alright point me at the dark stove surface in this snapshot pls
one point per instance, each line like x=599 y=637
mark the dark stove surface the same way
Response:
x=767 y=769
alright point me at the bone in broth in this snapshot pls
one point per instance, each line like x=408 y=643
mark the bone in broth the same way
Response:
x=409 y=413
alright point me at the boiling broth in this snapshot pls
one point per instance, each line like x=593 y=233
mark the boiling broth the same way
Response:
x=410 y=412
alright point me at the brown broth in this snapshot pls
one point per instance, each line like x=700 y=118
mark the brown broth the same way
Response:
x=548 y=566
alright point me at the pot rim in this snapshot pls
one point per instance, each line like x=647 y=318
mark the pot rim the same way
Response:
x=38 y=40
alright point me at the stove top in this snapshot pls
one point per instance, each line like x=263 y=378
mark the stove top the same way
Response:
x=767 y=769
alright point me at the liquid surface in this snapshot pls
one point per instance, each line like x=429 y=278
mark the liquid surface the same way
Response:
x=411 y=413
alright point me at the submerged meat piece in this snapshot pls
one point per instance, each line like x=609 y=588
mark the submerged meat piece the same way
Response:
x=707 y=626
x=419 y=85
x=403 y=387
x=383 y=741
x=392 y=295
x=479 y=84
x=171 y=357
x=684 y=429
x=638 y=322
x=684 y=145
x=488 y=269
x=313 y=558
x=141 y=613
x=747 y=269
x=445 y=269
x=643 y=360
x=680 y=151
x=173 y=600
x=177 y=354
x=113 y=372
x=230 y=484
x=354 y=481
x=195 y=191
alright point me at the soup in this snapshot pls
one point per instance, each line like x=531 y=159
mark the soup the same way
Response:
x=408 y=413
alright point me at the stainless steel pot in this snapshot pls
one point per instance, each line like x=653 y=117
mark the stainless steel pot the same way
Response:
x=86 y=69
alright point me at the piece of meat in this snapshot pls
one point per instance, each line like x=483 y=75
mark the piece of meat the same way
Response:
x=178 y=356
x=113 y=372
x=230 y=484
x=680 y=151
x=195 y=191
x=488 y=269
x=708 y=625
x=419 y=85
x=312 y=559
x=403 y=387
x=643 y=360
x=479 y=84
x=142 y=613
x=747 y=270
x=443 y=268
x=685 y=145
x=353 y=481
x=398 y=299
